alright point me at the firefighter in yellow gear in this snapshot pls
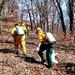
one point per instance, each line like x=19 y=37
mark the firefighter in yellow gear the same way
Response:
x=40 y=35
x=19 y=39
x=44 y=45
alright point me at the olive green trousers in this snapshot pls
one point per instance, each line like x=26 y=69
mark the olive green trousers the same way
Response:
x=49 y=51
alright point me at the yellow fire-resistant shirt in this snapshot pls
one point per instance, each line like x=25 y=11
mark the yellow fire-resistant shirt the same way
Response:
x=14 y=31
x=41 y=37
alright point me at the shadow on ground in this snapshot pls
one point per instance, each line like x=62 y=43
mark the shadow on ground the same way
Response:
x=69 y=68
x=6 y=50
x=30 y=60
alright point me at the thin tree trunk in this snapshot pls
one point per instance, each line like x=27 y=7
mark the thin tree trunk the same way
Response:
x=61 y=17
x=30 y=18
x=33 y=13
x=71 y=14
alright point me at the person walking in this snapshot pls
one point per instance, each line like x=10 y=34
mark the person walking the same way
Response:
x=43 y=45
x=19 y=34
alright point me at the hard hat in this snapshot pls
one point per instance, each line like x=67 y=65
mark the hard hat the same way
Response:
x=38 y=29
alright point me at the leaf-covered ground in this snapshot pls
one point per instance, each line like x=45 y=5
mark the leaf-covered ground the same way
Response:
x=12 y=64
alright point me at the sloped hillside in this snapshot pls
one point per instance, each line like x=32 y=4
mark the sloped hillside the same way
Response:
x=12 y=64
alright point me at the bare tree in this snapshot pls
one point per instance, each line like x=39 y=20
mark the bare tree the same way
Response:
x=61 y=16
x=33 y=13
x=45 y=14
x=39 y=7
x=30 y=17
x=70 y=13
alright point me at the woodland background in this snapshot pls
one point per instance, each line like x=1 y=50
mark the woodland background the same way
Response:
x=51 y=16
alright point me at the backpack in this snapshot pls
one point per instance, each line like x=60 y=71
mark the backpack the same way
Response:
x=20 y=31
x=51 y=39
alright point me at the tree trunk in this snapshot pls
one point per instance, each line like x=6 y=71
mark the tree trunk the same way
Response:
x=30 y=18
x=61 y=17
x=33 y=13
x=71 y=16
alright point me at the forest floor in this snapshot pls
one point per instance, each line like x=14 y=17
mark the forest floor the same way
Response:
x=12 y=64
